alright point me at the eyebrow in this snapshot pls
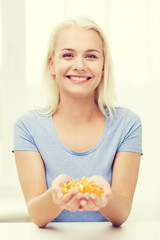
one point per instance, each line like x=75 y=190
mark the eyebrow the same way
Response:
x=72 y=50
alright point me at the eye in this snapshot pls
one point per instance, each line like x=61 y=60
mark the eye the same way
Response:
x=92 y=56
x=68 y=55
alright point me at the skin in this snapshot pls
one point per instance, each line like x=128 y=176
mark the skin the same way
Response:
x=80 y=124
x=79 y=55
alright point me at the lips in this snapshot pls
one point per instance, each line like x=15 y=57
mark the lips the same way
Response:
x=78 y=78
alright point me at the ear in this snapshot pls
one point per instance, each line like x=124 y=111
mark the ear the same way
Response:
x=51 y=66
x=102 y=71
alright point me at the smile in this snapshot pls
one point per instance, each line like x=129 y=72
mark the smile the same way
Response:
x=78 y=78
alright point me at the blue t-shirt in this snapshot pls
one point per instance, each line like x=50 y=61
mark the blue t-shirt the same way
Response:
x=36 y=132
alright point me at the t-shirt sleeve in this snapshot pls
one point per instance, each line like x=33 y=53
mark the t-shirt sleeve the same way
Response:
x=23 y=135
x=132 y=134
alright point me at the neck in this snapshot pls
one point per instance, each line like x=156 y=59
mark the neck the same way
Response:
x=77 y=110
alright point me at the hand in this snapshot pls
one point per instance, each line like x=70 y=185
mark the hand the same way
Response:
x=75 y=200
x=91 y=202
x=69 y=201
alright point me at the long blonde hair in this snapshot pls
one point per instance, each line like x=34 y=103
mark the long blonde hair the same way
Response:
x=104 y=94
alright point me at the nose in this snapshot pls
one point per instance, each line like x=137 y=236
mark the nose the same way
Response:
x=79 y=65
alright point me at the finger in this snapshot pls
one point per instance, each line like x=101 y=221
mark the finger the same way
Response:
x=64 y=179
x=90 y=204
x=82 y=199
x=68 y=196
x=107 y=194
x=56 y=194
x=73 y=204
x=99 y=202
x=96 y=202
x=59 y=198
x=60 y=180
x=82 y=205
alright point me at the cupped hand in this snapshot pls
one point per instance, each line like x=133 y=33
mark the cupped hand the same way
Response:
x=75 y=200
x=92 y=202
x=70 y=200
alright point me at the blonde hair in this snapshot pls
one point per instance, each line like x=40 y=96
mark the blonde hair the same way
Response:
x=104 y=94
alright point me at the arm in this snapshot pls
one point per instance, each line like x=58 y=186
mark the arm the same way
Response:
x=116 y=201
x=32 y=178
x=124 y=179
x=43 y=205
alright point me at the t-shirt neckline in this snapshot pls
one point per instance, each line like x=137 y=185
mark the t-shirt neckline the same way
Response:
x=66 y=148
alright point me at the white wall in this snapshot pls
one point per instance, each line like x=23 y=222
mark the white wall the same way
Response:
x=132 y=28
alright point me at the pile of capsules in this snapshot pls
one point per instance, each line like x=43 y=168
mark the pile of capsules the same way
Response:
x=83 y=186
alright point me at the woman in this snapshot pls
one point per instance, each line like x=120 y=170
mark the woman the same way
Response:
x=79 y=134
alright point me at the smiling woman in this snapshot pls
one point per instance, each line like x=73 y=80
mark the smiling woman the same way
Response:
x=89 y=47
x=137 y=81
x=79 y=134
x=77 y=64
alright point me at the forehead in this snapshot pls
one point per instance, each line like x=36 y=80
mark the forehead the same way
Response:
x=75 y=38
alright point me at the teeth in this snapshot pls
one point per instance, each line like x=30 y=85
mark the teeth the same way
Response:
x=78 y=78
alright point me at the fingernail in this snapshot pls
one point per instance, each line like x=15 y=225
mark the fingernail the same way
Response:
x=79 y=196
x=75 y=191
x=86 y=195
x=93 y=196
x=83 y=203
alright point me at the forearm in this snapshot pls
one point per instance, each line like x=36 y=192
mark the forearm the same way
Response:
x=117 y=209
x=42 y=209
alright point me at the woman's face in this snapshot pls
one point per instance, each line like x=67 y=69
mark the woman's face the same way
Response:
x=78 y=60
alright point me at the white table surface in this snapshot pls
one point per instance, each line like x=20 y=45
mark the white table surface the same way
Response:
x=81 y=231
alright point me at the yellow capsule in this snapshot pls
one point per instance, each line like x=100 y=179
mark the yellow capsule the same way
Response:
x=83 y=185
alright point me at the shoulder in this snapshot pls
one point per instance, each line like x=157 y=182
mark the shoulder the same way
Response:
x=128 y=121
x=124 y=120
x=129 y=126
x=126 y=115
x=30 y=119
x=27 y=117
x=32 y=115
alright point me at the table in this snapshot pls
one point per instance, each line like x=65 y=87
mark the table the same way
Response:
x=81 y=231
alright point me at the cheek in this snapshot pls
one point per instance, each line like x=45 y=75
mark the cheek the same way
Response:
x=97 y=68
x=98 y=72
x=61 y=69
